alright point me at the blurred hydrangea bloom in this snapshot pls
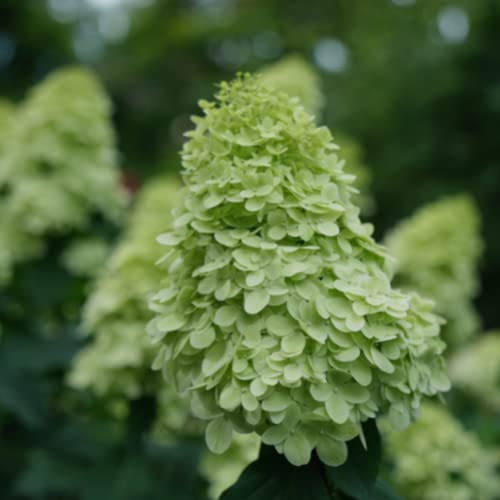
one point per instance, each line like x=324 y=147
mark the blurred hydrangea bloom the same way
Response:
x=278 y=314
x=436 y=459
x=297 y=78
x=476 y=370
x=85 y=256
x=117 y=361
x=437 y=252
x=59 y=166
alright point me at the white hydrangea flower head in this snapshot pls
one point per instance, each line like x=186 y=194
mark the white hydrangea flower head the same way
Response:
x=437 y=252
x=59 y=166
x=436 y=458
x=117 y=361
x=278 y=314
x=475 y=369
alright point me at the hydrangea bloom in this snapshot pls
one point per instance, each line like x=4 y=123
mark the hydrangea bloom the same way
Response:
x=59 y=165
x=278 y=314
x=297 y=78
x=117 y=361
x=437 y=251
x=436 y=459
x=476 y=370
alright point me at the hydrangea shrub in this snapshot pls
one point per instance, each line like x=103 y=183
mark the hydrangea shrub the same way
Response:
x=435 y=458
x=59 y=164
x=437 y=252
x=277 y=314
x=475 y=369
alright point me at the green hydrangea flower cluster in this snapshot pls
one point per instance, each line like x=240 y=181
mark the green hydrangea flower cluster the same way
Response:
x=475 y=369
x=436 y=459
x=278 y=314
x=297 y=78
x=59 y=164
x=437 y=252
x=117 y=361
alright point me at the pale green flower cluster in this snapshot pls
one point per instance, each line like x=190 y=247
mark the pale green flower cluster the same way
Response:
x=436 y=459
x=58 y=167
x=117 y=361
x=475 y=369
x=297 y=78
x=85 y=256
x=437 y=252
x=278 y=314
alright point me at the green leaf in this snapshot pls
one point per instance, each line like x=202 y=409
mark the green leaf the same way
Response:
x=357 y=476
x=272 y=477
x=383 y=491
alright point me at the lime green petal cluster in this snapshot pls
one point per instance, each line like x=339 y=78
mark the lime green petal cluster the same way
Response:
x=278 y=314
x=59 y=165
x=222 y=471
x=436 y=459
x=117 y=361
x=437 y=251
x=476 y=370
x=85 y=256
x=297 y=78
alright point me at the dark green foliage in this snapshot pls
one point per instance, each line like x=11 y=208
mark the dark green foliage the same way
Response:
x=358 y=475
x=272 y=477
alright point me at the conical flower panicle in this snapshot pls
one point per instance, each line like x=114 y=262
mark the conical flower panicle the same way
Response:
x=58 y=166
x=437 y=252
x=278 y=314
